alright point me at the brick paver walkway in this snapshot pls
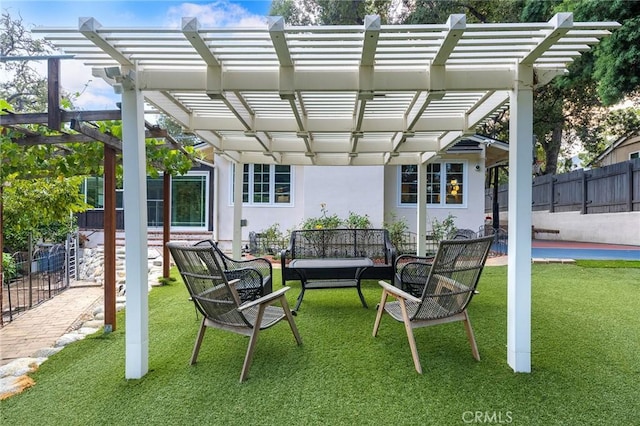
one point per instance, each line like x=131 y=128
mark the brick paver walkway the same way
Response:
x=41 y=326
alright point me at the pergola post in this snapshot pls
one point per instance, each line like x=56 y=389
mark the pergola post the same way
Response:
x=519 y=263
x=421 y=231
x=135 y=224
x=237 y=211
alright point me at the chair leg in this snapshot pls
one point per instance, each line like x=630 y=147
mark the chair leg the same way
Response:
x=410 y=337
x=252 y=344
x=292 y=324
x=471 y=337
x=383 y=301
x=196 y=347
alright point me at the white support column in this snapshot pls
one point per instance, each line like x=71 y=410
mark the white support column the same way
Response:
x=135 y=223
x=519 y=263
x=421 y=231
x=237 y=211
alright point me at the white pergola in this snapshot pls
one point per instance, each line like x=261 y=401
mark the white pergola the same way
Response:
x=331 y=95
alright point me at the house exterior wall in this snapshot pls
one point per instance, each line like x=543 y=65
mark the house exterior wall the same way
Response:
x=621 y=153
x=370 y=190
x=469 y=216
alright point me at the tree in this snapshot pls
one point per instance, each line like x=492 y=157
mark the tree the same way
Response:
x=616 y=66
x=571 y=110
x=24 y=88
x=477 y=11
x=336 y=12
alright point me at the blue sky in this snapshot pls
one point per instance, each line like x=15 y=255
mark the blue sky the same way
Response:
x=137 y=13
x=76 y=78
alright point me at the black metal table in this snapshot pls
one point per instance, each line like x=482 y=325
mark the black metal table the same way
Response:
x=330 y=273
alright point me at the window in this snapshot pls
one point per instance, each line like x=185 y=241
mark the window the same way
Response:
x=93 y=190
x=446 y=184
x=634 y=155
x=265 y=184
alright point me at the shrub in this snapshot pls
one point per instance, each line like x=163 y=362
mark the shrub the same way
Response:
x=323 y=222
x=356 y=221
x=9 y=267
x=443 y=230
x=397 y=229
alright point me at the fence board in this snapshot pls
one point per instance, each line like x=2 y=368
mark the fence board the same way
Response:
x=609 y=189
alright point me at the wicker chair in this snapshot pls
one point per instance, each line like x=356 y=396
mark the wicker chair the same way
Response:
x=411 y=270
x=450 y=285
x=216 y=298
x=254 y=274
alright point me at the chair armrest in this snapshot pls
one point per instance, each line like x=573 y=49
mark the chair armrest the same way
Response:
x=264 y=299
x=397 y=293
x=403 y=259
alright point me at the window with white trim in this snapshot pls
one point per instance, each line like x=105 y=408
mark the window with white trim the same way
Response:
x=446 y=184
x=265 y=184
x=634 y=155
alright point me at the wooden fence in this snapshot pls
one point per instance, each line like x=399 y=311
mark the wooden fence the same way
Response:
x=610 y=189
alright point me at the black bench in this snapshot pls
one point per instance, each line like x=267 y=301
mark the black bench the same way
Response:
x=352 y=247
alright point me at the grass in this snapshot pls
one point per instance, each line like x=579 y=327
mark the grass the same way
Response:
x=585 y=364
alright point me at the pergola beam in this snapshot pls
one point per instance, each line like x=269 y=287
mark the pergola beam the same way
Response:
x=562 y=23
x=457 y=25
x=89 y=27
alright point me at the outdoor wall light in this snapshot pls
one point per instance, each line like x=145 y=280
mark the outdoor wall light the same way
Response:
x=113 y=72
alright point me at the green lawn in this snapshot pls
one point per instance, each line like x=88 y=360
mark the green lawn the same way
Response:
x=586 y=364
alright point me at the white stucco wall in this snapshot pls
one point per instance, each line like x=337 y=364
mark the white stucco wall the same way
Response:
x=341 y=188
x=345 y=189
x=370 y=190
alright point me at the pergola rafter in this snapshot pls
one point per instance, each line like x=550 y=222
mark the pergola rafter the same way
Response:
x=298 y=95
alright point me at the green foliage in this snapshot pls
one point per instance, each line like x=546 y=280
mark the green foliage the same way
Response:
x=334 y=12
x=325 y=221
x=272 y=240
x=44 y=208
x=617 y=57
x=477 y=11
x=441 y=230
x=9 y=268
x=357 y=221
x=397 y=228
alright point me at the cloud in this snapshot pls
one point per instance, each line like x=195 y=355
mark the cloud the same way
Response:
x=219 y=13
x=94 y=92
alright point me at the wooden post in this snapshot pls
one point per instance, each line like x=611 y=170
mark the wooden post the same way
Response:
x=166 y=223
x=53 y=94
x=496 y=203
x=1 y=263
x=109 y=239
x=630 y=186
x=584 y=193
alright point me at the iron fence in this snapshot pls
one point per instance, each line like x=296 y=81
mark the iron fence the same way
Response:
x=39 y=275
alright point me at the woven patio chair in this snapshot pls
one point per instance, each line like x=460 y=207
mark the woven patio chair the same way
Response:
x=216 y=298
x=254 y=274
x=411 y=270
x=450 y=285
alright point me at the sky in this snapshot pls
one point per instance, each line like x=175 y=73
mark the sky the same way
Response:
x=76 y=78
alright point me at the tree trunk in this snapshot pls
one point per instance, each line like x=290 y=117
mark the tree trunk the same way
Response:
x=552 y=150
